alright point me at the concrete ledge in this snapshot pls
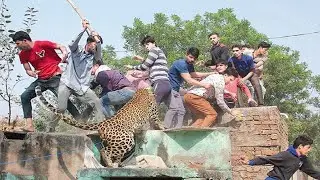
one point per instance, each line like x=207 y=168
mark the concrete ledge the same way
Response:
x=105 y=173
x=55 y=156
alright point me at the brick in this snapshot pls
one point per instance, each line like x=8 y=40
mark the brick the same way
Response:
x=274 y=136
x=260 y=132
x=269 y=122
x=268 y=152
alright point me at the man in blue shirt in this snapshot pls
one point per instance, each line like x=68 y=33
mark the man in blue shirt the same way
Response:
x=246 y=68
x=180 y=71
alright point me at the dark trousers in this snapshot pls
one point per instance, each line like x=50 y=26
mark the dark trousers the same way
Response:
x=257 y=88
x=51 y=84
x=161 y=89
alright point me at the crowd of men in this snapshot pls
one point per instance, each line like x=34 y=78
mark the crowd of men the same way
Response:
x=243 y=70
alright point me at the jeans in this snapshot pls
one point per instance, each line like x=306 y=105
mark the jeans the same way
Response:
x=161 y=90
x=164 y=93
x=51 y=84
x=115 y=98
x=89 y=97
x=176 y=111
x=255 y=85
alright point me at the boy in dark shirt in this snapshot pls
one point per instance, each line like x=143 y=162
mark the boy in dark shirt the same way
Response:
x=286 y=163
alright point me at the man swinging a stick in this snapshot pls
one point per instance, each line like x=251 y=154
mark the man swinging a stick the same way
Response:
x=76 y=77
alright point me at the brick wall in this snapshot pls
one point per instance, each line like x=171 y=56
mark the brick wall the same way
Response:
x=256 y=131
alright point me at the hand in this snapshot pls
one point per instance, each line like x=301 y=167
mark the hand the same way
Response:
x=206 y=85
x=235 y=113
x=128 y=66
x=233 y=96
x=94 y=33
x=244 y=160
x=64 y=58
x=252 y=102
x=242 y=82
x=199 y=63
x=137 y=57
x=33 y=73
x=85 y=23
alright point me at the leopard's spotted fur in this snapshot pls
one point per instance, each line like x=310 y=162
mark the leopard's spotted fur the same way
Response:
x=117 y=133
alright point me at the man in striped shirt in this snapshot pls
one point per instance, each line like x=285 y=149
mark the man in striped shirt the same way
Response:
x=156 y=64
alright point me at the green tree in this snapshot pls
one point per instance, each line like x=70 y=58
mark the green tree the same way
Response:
x=287 y=89
x=175 y=35
x=288 y=80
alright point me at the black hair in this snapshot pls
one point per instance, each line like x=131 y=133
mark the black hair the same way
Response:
x=147 y=39
x=91 y=39
x=236 y=46
x=246 y=46
x=194 y=52
x=231 y=71
x=264 y=44
x=302 y=140
x=98 y=62
x=20 y=36
x=213 y=33
x=221 y=61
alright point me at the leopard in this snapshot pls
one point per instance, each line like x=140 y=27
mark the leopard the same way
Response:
x=117 y=132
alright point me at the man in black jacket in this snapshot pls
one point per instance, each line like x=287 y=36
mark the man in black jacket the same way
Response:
x=286 y=163
x=218 y=50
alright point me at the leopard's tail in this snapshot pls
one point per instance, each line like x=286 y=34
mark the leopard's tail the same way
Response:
x=67 y=119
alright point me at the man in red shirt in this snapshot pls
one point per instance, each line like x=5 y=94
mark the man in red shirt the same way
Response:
x=40 y=55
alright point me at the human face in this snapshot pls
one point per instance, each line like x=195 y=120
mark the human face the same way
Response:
x=149 y=46
x=228 y=78
x=221 y=68
x=91 y=47
x=243 y=49
x=236 y=52
x=190 y=59
x=214 y=39
x=22 y=45
x=304 y=150
x=94 y=69
x=263 y=51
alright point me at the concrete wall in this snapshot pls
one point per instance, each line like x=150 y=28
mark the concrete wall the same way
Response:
x=42 y=156
x=187 y=152
x=190 y=153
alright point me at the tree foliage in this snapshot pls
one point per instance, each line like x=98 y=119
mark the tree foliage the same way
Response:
x=175 y=35
x=288 y=80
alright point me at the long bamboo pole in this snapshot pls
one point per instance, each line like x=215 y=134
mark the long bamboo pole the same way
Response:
x=79 y=13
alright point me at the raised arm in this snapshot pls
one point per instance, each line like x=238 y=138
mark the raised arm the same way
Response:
x=146 y=64
x=75 y=43
x=98 y=54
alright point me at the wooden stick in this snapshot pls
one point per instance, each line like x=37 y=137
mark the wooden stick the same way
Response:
x=80 y=15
